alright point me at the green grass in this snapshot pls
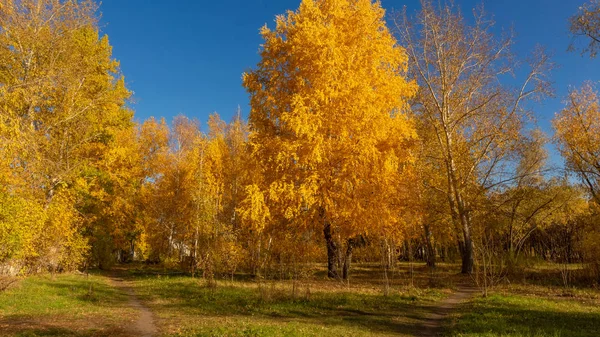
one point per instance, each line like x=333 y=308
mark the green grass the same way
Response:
x=69 y=305
x=185 y=307
x=512 y=315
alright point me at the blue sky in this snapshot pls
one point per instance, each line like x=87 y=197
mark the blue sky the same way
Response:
x=187 y=57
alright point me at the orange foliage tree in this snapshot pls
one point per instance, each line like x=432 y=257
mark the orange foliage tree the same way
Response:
x=328 y=125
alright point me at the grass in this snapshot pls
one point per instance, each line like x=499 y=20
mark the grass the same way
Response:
x=529 y=315
x=184 y=306
x=69 y=305
x=187 y=307
x=534 y=304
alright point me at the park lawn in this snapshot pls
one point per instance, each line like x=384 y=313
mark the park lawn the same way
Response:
x=514 y=313
x=64 y=306
x=184 y=306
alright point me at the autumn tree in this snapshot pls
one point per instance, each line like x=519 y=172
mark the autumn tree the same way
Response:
x=576 y=134
x=327 y=122
x=238 y=171
x=576 y=126
x=169 y=187
x=212 y=239
x=192 y=184
x=577 y=129
x=236 y=168
x=590 y=245
x=434 y=215
x=586 y=24
x=110 y=200
x=475 y=120
x=62 y=106
x=527 y=201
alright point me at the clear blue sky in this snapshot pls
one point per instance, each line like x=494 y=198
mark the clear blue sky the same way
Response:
x=187 y=57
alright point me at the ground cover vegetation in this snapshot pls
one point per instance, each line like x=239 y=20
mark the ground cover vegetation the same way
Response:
x=384 y=156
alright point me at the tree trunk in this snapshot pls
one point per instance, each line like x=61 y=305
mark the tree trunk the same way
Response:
x=511 y=247
x=465 y=224
x=467 y=255
x=348 y=259
x=444 y=253
x=458 y=207
x=195 y=252
x=332 y=252
x=429 y=246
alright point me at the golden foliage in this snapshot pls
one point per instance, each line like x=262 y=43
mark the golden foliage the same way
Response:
x=62 y=105
x=578 y=135
x=586 y=23
x=327 y=121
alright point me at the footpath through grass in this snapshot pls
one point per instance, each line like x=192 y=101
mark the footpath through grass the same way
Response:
x=68 y=305
x=187 y=307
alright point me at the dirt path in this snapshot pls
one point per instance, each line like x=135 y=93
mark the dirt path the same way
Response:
x=144 y=325
x=433 y=326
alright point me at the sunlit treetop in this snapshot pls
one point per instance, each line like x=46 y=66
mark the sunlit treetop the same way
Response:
x=327 y=101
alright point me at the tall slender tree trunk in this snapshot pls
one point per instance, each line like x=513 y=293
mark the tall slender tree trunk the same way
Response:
x=348 y=259
x=132 y=250
x=459 y=212
x=429 y=246
x=511 y=247
x=195 y=252
x=332 y=252
x=457 y=203
x=333 y=257
x=465 y=244
x=467 y=256
x=170 y=248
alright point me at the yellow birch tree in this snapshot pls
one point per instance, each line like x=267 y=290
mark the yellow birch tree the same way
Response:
x=62 y=105
x=474 y=119
x=327 y=121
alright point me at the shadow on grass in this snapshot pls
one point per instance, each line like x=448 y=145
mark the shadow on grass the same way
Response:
x=40 y=331
x=88 y=291
x=181 y=297
x=521 y=316
x=70 y=305
x=16 y=325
